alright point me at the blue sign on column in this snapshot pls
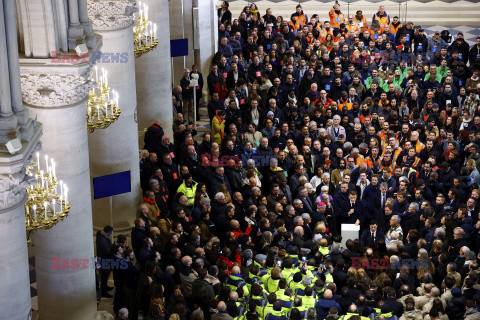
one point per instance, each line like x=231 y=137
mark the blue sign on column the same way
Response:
x=179 y=48
x=111 y=185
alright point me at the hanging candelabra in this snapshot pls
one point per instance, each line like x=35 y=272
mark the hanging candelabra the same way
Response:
x=144 y=32
x=102 y=105
x=47 y=202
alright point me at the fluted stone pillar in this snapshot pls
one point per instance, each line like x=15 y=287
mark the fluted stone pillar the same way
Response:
x=207 y=37
x=15 y=298
x=115 y=149
x=63 y=291
x=181 y=26
x=14 y=277
x=15 y=301
x=153 y=74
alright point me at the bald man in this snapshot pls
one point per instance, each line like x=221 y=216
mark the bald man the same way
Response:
x=222 y=312
x=323 y=305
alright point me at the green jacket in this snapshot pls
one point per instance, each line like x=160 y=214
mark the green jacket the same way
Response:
x=403 y=73
x=370 y=80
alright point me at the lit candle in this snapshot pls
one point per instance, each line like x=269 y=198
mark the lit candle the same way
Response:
x=61 y=189
x=106 y=108
x=38 y=161
x=46 y=163
x=41 y=176
x=66 y=197
x=35 y=213
x=89 y=112
x=155 y=30
x=98 y=112
x=106 y=78
x=53 y=206
x=45 y=204
x=53 y=168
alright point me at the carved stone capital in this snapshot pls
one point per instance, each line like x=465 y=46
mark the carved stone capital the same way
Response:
x=54 y=89
x=13 y=180
x=108 y=15
x=12 y=189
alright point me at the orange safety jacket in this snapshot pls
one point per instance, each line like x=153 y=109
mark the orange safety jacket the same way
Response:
x=393 y=29
x=299 y=22
x=382 y=20
x=336 y=18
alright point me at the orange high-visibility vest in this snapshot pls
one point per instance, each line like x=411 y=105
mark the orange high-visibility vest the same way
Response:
x=394 y=30
x=336 y=19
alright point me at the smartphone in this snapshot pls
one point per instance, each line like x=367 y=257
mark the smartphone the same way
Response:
x=239 y=246
x=398 y=275
x=279 y=263
x=304 y=260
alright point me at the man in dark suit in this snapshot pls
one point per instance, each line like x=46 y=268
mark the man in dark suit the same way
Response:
x=307 y=202
x=355 y=209
x=371 y=236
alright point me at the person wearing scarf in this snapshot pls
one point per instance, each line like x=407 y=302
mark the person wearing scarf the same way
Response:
x=153 y=210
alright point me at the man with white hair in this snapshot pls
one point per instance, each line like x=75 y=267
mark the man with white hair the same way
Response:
x=394 y=244
x=394 y=227
x=298 y=233
x=336 y=129
x=458 y=242
x=307 y=228
x=123 y=314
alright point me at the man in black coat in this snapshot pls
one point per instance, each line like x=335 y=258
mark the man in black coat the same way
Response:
x=458 y=243
x=137 y=235
x=147 y=169
x=104 y=244
x=224 y=14
x=355 y=210
x=392 y=305
x=371 y=236
x=153 y=136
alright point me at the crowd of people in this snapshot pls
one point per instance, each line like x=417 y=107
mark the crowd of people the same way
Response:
x=314 y=125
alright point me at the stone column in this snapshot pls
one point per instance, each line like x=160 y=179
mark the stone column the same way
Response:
x=56 y=95
x=181 y=26
x=14 y=276
x=15 y=298
x=155 y=101
x=5 y=97
x=208 y=37
x=86 y=23
x=115 y=149
x=26 y=126
x=75 y=30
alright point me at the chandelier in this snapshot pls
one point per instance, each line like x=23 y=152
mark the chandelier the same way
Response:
x=47 y=202
x=144 y=32
x=102 y=105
